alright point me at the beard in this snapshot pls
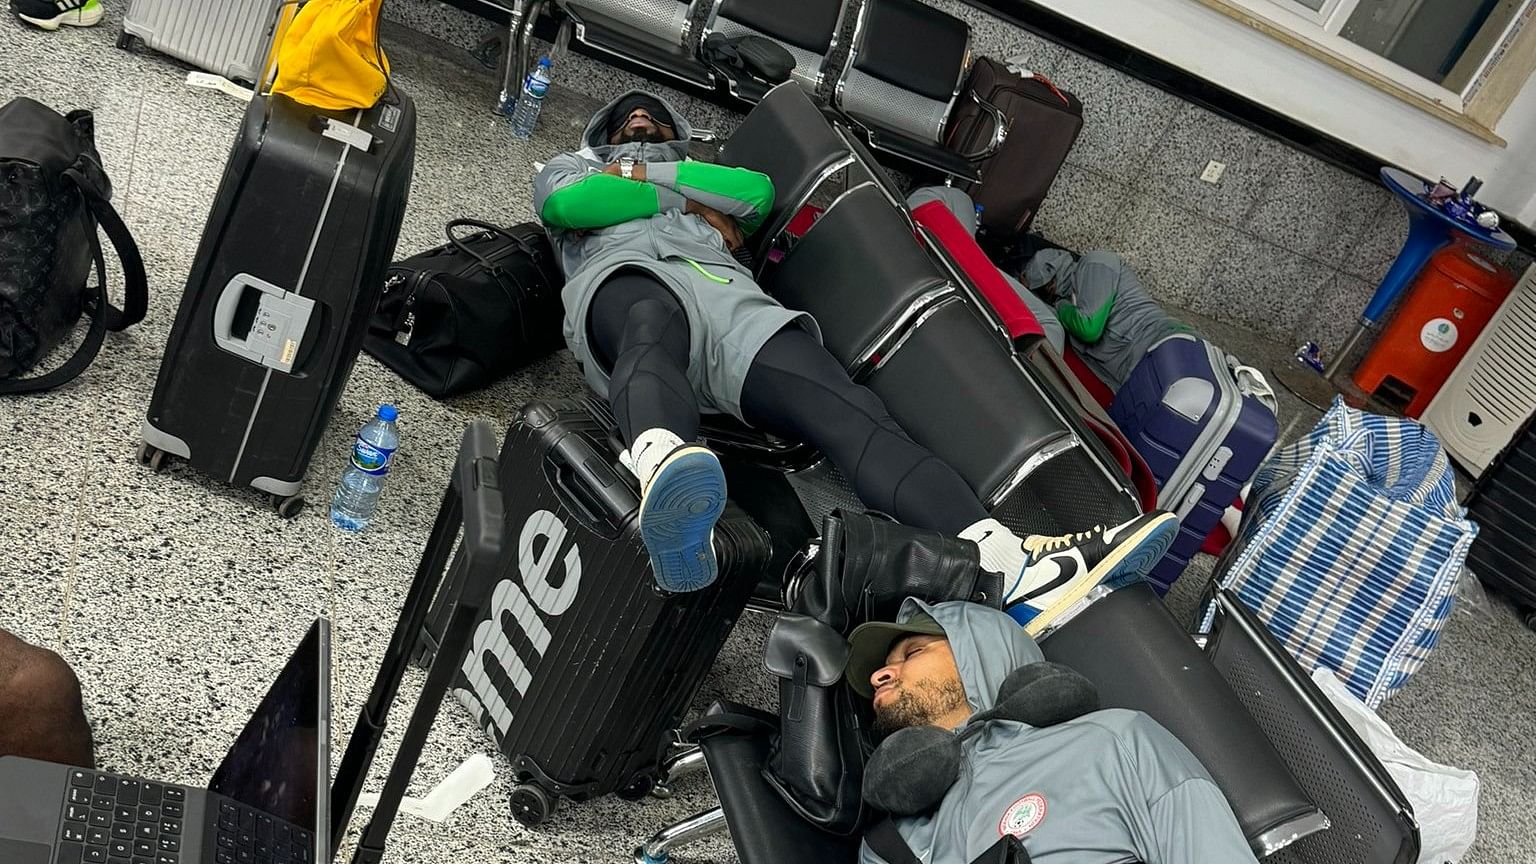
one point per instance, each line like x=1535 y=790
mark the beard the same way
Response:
x=919 y=705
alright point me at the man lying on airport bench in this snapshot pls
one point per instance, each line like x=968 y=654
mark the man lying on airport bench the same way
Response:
x=667 y=323
x=980 y=738
x=41 y=716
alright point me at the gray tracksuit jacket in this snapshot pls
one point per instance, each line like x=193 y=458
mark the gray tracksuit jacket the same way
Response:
x=1112 y=319
x=1109 y=787
x=600 y=224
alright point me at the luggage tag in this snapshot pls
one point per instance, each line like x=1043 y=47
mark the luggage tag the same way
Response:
x=209 y=81
x=347 y=134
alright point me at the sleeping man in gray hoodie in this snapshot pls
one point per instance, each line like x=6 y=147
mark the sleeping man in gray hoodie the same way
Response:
x=1108 y=787
x=667 y=323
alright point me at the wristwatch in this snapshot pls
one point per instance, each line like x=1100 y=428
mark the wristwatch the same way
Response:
x=627 y=167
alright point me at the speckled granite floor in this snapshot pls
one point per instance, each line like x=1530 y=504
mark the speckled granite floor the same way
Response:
x=175 y=598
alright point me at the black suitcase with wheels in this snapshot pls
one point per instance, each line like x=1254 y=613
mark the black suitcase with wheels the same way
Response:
x=582 y=668
x=1504 y=506
x=290 y=265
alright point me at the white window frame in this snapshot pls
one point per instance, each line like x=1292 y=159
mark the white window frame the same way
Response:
x=1323 y=27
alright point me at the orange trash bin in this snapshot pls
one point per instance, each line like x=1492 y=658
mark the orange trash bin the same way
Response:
x=1447 y=307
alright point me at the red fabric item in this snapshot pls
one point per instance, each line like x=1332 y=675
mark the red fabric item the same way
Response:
x=803 y=220
x=1130 y=461
x=1098 y=389
x=979 y=268
x=1217 y=542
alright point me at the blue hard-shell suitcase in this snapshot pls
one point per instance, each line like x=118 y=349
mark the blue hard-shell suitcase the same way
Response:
x=1203 y=439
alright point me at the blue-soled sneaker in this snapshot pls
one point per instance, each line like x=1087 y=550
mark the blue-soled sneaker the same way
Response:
x=1064 y=570
x=53 y=14
x=678 y=513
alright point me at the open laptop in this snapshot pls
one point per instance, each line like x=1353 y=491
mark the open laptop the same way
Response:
x=268 y=802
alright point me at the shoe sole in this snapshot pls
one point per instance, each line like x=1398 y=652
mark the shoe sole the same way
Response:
x=678 y=516
x=68 y=19
x=1130 y=560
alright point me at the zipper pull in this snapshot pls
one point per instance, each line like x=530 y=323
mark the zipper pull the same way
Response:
x=405 y=322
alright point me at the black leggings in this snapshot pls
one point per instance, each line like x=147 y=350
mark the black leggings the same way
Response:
x=794 y=389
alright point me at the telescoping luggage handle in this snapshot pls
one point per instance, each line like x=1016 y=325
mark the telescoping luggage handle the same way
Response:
x=473 y=501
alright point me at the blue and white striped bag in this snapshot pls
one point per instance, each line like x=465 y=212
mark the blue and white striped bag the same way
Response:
x=1351 y=546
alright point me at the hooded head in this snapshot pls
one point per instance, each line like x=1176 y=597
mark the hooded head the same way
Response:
x=966 y=650
x=652 y=118
x=979 y=651
x=1048 y=271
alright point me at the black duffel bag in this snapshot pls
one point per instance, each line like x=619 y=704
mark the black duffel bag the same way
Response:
x=471 y=311
x=53 y=194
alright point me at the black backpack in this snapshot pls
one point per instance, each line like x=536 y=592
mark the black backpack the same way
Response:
x=471 y=311
x=53 y=194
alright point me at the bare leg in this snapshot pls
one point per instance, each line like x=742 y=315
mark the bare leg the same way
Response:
x=41 y=714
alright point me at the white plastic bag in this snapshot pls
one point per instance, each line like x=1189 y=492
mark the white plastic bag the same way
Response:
x=1444 y=798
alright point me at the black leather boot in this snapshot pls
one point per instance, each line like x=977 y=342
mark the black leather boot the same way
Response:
x=868 y=565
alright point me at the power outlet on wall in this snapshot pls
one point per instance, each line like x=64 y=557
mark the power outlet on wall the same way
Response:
x=1213 y=171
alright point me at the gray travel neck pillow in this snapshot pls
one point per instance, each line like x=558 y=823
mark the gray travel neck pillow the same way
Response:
x=909 y=773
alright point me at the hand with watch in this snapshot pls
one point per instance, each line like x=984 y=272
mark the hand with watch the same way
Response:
x=627 y=168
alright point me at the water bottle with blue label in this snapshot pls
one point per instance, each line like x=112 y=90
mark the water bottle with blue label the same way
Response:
x=358 y=493
x=526 y=113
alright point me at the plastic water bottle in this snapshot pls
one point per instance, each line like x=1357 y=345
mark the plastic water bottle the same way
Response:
x=358 y=493
x=526 y=113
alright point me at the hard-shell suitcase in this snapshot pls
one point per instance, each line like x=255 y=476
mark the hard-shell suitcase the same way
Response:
x=1202 y=438
x=288 y=270
x=226 y=37
x=1042 y=122
x=1504 y=505
x=582 y=667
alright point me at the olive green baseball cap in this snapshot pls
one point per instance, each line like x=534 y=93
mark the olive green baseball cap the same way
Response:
x=869 y=643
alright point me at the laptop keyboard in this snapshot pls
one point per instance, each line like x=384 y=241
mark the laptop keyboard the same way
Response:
x=118 y=820
x=115 y=820
x=248 y=836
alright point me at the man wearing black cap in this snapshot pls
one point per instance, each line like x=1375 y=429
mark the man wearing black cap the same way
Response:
x=1107 y=787
x=666 y=322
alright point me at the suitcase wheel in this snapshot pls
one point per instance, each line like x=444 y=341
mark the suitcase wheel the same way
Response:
x=530 y=804
x=157 y=460
x=125 y=40
x=1529 y=616
x=288 y=506
x=638 y=788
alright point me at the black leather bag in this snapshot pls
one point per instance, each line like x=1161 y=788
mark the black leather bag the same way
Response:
x=866 y=568
x=816 y=761
x=471 y=311
x=757 y=56
x=53 y=194
x=868 y=565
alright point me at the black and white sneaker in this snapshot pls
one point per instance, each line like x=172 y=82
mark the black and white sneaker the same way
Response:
x=53 y=14
x=1062 y=571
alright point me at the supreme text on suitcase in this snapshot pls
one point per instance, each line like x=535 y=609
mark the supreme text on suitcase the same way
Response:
x=1042 y=123
x=289 y=268
x=1201 y=436
x=582 y=667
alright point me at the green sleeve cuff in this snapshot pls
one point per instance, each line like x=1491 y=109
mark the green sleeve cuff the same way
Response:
x=1085 y=328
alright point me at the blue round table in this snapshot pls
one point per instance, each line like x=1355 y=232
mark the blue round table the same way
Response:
x=1430 y=229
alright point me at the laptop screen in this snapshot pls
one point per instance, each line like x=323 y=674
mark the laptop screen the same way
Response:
x=280 y=762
